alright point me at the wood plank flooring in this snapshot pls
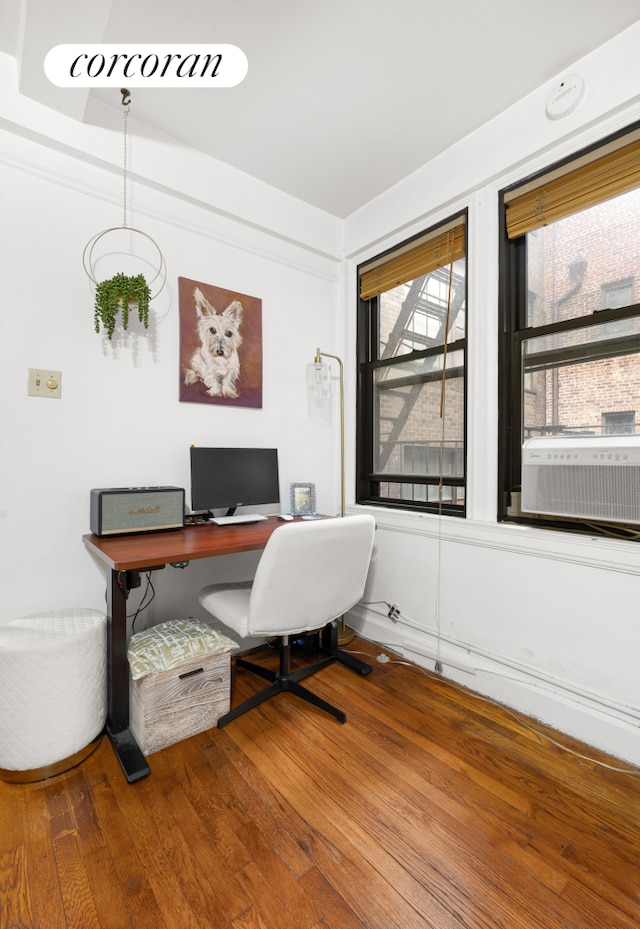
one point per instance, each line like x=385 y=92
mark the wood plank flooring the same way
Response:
x=429 y=809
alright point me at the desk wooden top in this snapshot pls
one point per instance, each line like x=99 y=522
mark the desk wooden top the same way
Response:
x=150 y=549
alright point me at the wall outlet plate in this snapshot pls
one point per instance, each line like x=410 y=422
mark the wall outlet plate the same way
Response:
x=44 y=383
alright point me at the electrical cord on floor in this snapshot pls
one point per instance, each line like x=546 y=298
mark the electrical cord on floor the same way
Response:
x=634 y=772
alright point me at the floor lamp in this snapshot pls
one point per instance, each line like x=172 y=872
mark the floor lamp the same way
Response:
x=319 y=391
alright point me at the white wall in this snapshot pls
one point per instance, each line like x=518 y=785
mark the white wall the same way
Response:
x=542 y=621
x=119 y=422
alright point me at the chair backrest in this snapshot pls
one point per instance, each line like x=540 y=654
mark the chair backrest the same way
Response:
x=310 y=573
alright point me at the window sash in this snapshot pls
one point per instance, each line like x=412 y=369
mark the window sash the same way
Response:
x=607 y=333
x=578 y=339
x=423 y=370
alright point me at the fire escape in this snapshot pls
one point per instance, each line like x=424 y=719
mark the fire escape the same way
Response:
x=418 y=301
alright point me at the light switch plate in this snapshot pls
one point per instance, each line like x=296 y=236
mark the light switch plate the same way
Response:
x=44 y=383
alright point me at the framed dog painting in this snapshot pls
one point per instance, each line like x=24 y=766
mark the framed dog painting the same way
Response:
x=220 y=345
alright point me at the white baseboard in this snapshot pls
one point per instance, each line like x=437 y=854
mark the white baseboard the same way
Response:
x=586 y=716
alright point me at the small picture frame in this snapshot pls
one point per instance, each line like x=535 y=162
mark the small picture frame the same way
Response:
x=303 y=500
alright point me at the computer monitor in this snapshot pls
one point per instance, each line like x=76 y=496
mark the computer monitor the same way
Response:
x=232 y=477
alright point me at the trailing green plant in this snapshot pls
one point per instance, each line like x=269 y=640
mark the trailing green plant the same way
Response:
x=117 y=294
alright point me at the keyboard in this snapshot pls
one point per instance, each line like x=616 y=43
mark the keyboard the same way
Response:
x=237 y=520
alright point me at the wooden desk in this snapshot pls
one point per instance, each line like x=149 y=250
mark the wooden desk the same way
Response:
x=124 y=557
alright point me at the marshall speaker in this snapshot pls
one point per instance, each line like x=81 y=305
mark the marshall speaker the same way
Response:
x=119 y=510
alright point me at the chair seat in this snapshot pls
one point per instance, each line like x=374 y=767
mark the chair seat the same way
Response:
x=229 y=603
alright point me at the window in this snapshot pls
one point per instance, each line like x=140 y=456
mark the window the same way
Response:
x=621 y=423
x=569 y=306
x=617 y=294
x=412 y=386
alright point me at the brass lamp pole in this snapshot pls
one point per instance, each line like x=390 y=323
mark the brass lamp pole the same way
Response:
x=345 y=633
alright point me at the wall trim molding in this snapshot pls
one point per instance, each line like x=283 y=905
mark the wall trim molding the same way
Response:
x=614 y=555
x=239 y=233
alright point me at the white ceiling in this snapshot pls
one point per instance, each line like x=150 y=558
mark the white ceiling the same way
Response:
x=343 y=98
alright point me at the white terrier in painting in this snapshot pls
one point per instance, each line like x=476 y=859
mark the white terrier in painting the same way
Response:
x=216 y=363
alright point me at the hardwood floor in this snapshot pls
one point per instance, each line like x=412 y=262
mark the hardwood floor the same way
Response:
x=429 y=808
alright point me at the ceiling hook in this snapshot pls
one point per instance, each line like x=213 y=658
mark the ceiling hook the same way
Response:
x=126 y=96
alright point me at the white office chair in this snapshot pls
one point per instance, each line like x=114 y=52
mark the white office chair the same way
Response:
x=310 y=573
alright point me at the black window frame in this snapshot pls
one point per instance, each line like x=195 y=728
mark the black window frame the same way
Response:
x=367 y=480
x=513 y=329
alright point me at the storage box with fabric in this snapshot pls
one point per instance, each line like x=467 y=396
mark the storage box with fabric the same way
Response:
x=180 y=682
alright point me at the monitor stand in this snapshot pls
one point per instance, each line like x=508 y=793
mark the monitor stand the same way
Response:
x=230 y=512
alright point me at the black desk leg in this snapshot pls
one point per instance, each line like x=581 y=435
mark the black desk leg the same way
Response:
x=124 y=744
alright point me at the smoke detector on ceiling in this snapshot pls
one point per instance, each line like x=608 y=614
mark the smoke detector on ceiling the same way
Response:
x=565 y=96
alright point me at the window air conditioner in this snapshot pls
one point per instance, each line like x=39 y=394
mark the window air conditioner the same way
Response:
x=589 y=477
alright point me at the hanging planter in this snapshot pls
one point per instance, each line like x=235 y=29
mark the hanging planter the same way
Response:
x=117 y=295
x=119 y=292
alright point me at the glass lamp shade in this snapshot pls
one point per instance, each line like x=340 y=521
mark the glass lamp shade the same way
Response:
x=319 y=391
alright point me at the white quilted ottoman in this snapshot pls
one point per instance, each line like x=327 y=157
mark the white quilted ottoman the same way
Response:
x=53 y=691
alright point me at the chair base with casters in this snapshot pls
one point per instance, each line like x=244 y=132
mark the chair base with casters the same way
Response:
x=310 y=574
x=286 y=680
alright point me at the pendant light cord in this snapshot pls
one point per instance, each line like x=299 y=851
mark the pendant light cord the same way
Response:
x=88 y=260
x=124 y=163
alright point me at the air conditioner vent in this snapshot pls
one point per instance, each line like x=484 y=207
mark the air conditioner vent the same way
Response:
x=588 y=477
